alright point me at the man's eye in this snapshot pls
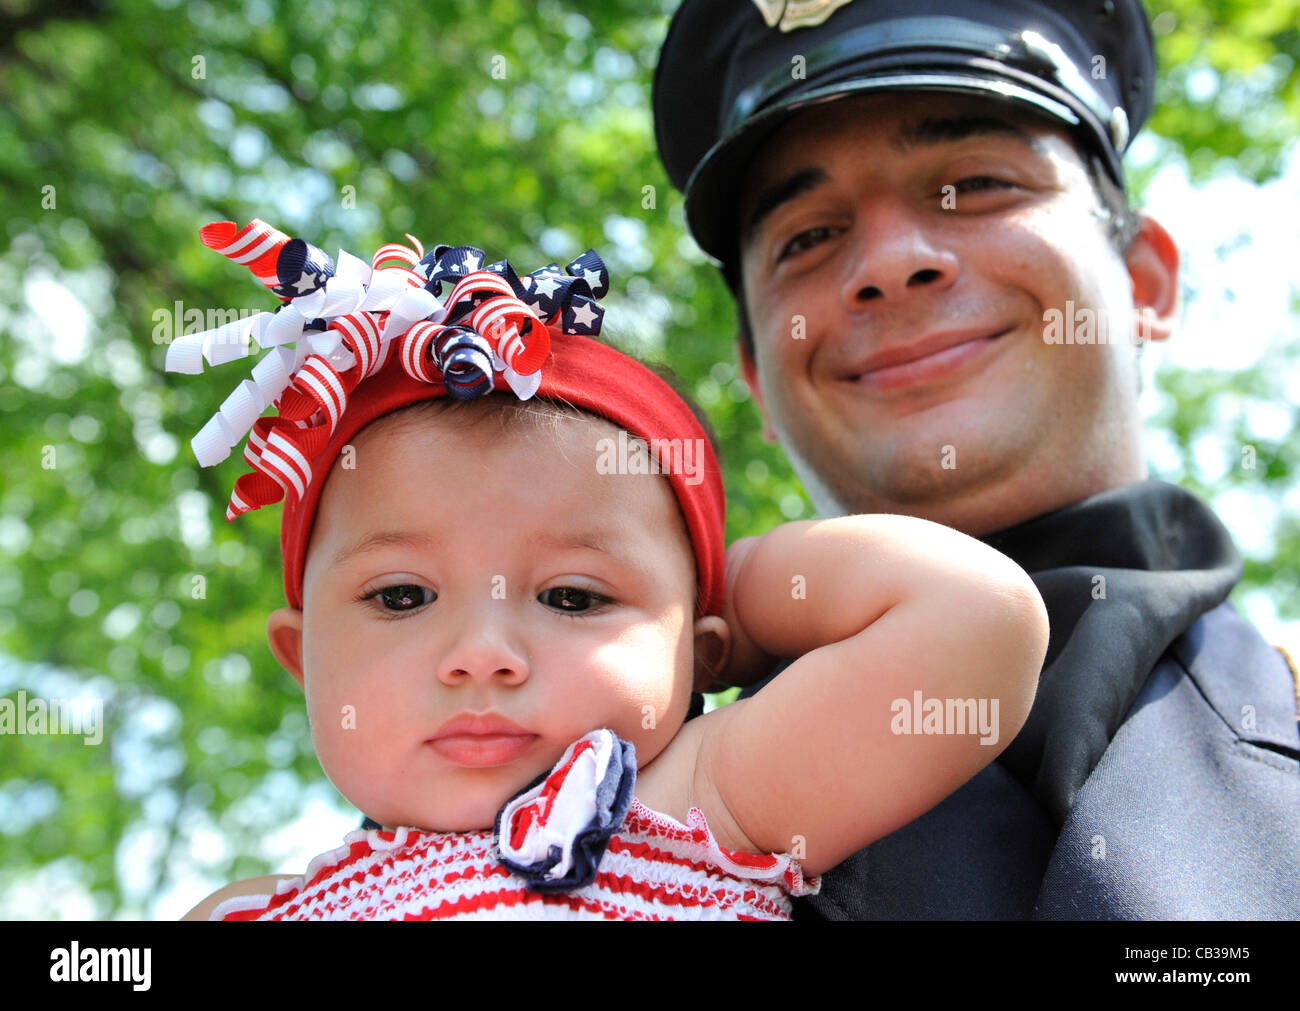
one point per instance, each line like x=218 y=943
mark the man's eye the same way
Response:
x=402 y=597
x=805 y=240
x=974 y=184
x=571 y=599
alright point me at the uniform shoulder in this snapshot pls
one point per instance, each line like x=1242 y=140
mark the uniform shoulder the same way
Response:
x=1238 y=671
x=264 y=885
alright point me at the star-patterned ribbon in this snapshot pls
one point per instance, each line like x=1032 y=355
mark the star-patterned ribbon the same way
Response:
x=343 y=318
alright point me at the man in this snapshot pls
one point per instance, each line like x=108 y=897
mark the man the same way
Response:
x=942 y=293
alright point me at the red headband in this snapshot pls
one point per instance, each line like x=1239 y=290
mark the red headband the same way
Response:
x=387 y=347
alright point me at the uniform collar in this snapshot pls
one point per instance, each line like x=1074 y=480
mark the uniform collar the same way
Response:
x=1123 y=574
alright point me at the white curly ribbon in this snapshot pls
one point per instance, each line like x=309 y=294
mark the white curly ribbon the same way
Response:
x=354 y=287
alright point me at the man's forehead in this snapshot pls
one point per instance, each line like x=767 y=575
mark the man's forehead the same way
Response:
x=911 y=120
x=904 y=122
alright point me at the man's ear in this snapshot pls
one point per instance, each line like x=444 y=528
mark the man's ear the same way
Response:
x=1152 y=263
x=750 y=371
x=284 y=633
x=712 y=646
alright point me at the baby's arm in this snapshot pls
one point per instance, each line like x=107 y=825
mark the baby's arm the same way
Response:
x=877 y=608
x=249 y=886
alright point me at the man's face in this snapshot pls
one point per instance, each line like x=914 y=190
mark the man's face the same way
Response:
x=899 y=254
x=462 y=571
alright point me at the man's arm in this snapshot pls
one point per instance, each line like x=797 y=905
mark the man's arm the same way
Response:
x=878 y=609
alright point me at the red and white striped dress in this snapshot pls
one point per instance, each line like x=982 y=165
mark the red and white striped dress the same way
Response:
x=653 y=868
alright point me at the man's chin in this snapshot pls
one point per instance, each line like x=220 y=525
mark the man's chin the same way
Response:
x=924 y=477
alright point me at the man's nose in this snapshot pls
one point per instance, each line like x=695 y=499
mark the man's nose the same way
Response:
x=898 y=251
x=483 y=648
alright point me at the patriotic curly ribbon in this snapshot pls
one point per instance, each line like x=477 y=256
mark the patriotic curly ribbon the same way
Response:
x=554 y=832
x=344 y=318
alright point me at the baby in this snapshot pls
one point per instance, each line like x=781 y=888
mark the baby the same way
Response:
x=499 y=633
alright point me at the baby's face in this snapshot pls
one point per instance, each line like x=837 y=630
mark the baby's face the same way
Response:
x=486 y=573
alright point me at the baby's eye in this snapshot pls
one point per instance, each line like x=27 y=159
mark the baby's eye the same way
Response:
x=572 y=599
x=402 y=597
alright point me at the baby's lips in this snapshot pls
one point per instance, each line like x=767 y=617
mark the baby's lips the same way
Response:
x=480 y=751
x=487 y=724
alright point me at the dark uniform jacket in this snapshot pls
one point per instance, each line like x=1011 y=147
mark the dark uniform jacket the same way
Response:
x=1158 y=775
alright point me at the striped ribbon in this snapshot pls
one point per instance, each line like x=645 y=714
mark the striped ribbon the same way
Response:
x=344 y=317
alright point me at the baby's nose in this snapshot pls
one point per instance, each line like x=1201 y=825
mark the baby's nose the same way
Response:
x=483 y=650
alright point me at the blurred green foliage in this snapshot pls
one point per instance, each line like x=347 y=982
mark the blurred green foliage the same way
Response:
x=521 y=127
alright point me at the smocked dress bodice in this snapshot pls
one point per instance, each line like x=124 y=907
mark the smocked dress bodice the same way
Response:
x=577 y=844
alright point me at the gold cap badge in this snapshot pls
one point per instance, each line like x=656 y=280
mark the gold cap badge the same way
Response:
x=790 y=14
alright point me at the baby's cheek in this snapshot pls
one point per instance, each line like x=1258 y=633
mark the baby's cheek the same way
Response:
x=342 y=716
x=648 y=700
x=634 y=672
x=349 y=746
x=331 y=724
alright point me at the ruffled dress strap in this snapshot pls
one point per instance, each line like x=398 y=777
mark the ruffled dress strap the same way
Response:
x=695 y=846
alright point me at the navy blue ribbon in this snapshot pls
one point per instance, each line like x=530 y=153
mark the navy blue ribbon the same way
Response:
x=465 y=359
x=569 y=292
x=302 y=268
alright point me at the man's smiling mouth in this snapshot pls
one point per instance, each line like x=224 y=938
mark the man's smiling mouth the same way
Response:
x=931 y=358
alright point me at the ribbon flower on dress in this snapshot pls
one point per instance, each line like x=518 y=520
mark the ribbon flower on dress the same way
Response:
x=344 y=318
x=555 y=831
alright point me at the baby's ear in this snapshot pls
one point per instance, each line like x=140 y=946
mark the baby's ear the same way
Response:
x=712 y=644
x=284 y=633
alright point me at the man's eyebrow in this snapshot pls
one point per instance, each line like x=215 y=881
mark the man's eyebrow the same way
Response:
x=779 y=193
x=929 y=132
x=936 y=130
x=387 y=539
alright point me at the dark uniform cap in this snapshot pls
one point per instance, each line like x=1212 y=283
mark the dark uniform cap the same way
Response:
x=728 y=76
